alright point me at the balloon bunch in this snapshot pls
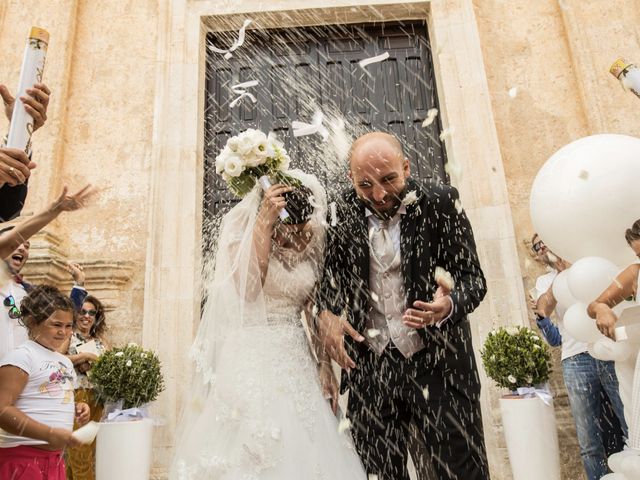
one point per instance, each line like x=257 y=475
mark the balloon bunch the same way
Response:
x=582 y=201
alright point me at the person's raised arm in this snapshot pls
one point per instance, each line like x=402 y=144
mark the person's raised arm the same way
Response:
x=272 y=202
x=624 y=286
x=12 y=239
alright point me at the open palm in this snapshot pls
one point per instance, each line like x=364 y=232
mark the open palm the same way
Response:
x=75 y=201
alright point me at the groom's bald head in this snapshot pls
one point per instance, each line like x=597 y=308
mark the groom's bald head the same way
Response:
x=378 y=171
x=375 y=144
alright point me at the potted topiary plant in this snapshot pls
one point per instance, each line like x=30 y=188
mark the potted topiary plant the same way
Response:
x=126 y=380
x=518 y=359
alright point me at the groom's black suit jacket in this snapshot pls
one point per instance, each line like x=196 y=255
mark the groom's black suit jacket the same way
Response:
x=434 y=232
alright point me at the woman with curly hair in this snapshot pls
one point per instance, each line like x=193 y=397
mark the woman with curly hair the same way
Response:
x=84 y=347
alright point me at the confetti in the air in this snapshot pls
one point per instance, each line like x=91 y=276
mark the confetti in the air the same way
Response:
x=301 y=128
x=446 y=133
x=425 y=393
x=333 y=209
x=513 y=92
x=444 y=277
x=584 y=175
x=237 y=44
x=240 y=89
x=373 y=332
x=378 y=58
x=432 y=113
x=454 y=170
x=340 y=139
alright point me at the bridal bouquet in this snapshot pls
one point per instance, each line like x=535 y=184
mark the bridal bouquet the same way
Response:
x=250 y=155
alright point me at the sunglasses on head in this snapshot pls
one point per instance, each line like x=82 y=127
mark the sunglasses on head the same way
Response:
x=91 y=313
x=14 y=311
x=537 y=246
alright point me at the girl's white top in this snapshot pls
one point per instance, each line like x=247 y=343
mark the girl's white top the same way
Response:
x=48 y=394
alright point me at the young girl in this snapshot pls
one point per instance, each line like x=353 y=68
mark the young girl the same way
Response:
x=36 y=392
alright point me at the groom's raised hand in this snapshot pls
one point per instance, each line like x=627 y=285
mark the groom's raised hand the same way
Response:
x=331 y=330
x=425 y=314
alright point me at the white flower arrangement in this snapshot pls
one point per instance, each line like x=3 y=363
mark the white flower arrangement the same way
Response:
x=248 y=156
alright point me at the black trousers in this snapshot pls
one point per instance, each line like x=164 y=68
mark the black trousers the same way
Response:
x=390 y=392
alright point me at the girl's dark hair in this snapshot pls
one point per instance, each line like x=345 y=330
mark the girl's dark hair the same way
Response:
x=299 y=206
x=41 y=302
x=632 y=234
x=100 y=325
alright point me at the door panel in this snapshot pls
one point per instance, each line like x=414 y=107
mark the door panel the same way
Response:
x=305 y=69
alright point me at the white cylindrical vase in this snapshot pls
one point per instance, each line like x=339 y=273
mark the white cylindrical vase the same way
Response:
x=123 y=450
x=531 y=436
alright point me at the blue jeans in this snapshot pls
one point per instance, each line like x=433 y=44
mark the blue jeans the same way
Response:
x=589 y=382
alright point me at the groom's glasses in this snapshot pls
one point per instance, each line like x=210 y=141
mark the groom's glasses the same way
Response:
x=14 y=311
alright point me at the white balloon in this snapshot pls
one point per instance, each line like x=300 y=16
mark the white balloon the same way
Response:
x=585 y=197
x=631 y=466
x=590 y=276
x=561 y=291
x=606 y=349
x=618 y=309
x=615 y=460
x=580 y=325
x=614 y=476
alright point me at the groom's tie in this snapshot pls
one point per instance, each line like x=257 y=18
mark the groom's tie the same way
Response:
x=382 y=245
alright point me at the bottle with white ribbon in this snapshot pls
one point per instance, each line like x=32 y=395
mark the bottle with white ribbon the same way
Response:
x=628 y=74
x=32 y=69
x=266 y=184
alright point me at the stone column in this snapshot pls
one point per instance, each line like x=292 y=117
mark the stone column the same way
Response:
x=473 y=147
x=172 y=290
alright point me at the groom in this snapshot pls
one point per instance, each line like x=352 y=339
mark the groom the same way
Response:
x=408 y=357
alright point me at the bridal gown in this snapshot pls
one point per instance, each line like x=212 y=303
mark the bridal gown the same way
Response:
x=267 y=418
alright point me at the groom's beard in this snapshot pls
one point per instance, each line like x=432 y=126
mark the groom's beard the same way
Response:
x=389 y=212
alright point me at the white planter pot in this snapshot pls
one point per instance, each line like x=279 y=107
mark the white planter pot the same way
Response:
x=123 y=450
x=532 y=440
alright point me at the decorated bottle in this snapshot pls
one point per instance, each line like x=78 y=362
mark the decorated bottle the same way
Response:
x=32 y=69
x=628 y=74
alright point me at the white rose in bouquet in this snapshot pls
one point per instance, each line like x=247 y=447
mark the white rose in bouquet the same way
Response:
x=246 y=142
x=232 y=144
x=221 y=160
x=233 y=166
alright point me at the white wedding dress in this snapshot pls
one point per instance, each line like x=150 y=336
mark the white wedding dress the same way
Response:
x=265 y=416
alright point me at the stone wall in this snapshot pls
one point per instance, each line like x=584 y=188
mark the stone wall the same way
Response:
x=126 y=115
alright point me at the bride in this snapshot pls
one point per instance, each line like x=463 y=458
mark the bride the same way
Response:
x=257 y=408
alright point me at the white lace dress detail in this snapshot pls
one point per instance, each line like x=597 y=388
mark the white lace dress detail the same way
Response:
x=267 y=418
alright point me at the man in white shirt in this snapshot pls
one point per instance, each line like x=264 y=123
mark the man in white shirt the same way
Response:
x=591 y=383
